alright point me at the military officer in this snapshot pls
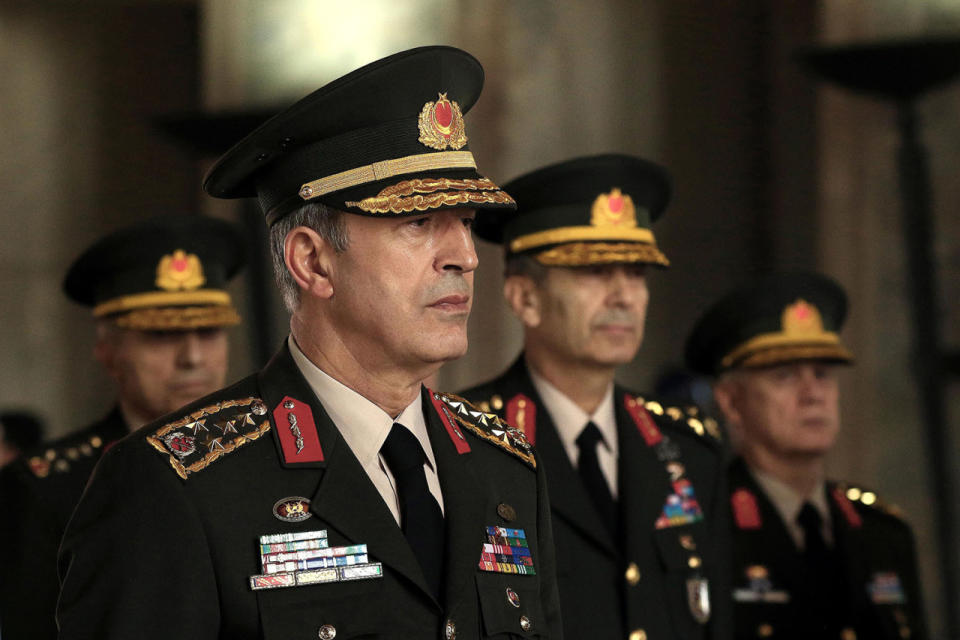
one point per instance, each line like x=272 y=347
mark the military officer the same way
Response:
x=331 y=495
x=157 y=291
x=813 y=558
x=634 y=485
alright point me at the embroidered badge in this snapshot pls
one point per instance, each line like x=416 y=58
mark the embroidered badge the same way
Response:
x=179 y=271
x=450 y=424
x=746 y=511
x=885 y=588
x=698 y=599
x=681 y=506
x=231 y=425
x=506 y=551
x=305 y=557
x=645 y=424
x=292 y=509
x=297 y=431
x=522 y=413
x=441 y=124
x=846 y=507
x=487 y=426
x=759 y=587
x=614 y=209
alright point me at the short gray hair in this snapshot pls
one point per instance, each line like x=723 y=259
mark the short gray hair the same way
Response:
x=329 y=224
x=525 y=265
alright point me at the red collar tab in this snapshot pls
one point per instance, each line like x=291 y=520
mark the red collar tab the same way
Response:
x=522 y=414
x=297 y=431
x=849 y=511
x=746 y=511
x=450 y=423
x=641 y=417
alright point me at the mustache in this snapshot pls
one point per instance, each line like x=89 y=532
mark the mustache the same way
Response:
x=452 y=284
x=616 y=316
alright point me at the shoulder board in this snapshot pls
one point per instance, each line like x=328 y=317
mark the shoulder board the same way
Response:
x=690 y=417
x=487 y=426
x=202 y=437
x=59 y=458
x=861 y=496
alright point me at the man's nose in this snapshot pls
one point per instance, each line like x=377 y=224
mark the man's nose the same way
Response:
x=457 y=252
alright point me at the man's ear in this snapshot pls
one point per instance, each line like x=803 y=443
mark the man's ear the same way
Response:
x=522 y=295
x=309 y=260
x=725 y=395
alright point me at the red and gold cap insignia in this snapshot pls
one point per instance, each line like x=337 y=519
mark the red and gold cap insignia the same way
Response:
x=801 y=319
x=613 y=209
x=180 y=271
x=441 y=124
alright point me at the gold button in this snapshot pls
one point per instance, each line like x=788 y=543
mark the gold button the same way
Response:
x=638 y=634
x=96 y=441
x=765 y=630
x=327 y=632
x=632 y=574
x=50 y=454
x=496 y=402
x=848 y=634
x=450 y=630
x=694 y=562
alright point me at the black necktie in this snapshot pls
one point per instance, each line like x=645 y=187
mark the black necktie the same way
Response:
x=821 y=599
x=589 y=468
x=420 y=516
x=814 y=546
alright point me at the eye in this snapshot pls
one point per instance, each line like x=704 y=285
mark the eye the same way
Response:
x=469 y=222
x=419 y=222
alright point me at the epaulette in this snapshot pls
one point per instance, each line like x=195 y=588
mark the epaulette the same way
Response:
x=859 y=495
x=204 y=436
x=487 y=426
x=59 y=458
x=689 y=416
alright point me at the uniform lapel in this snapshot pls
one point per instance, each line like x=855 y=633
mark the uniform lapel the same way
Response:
x=568 y=497
x=345 y=497
x=849 y=552
x=464 y=501
x=644 y=483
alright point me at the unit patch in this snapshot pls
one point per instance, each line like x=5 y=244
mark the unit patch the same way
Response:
x=232 y=424
x=885 y=588
x=506 y=551
x=305 y=558
x=681 y=507
x=486 y=426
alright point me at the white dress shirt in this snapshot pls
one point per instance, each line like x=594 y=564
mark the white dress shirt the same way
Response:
x=788 y=504
x=365 y=427
x=570 y=421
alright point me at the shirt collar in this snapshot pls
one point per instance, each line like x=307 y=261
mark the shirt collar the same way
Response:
x=364 y=425
x=787 y=501
x=570 y=419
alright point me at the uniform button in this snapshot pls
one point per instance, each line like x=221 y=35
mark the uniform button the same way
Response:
x=632 y=574
x=765 y=630
x=450 y=630
x=687 y=542
x=496 y=402
x=694 y=562
x=327 y=632
x=848 y=634
x=638 y=634
x=507 y=512
x=525 y=623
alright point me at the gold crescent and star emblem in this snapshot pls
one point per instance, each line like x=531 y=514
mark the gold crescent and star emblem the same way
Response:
x=180 y=271
x=441 y=124
x=614 y=209
x=801 y=319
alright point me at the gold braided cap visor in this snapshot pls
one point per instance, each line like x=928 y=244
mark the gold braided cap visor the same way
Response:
x=178 y=318
x=196 y=297
x=583 y=233
x=583 y=254
x=776 y=348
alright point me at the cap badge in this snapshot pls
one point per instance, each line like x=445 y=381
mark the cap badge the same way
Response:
x=441 y=124
x=613 y=209
x=801 y=318
x=180 y=271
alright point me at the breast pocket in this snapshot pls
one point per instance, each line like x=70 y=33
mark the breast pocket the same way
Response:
x=350 y=609
x=510 y=606
x=688 y=591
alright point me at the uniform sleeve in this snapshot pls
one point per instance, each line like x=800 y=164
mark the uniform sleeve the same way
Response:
x=28 y=582
x=135 y=561
x=550 y=594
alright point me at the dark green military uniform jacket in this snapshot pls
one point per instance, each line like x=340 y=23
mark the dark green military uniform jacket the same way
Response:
x=38 y=493
x=652 y=582
x=877 y=588
x=166 y=542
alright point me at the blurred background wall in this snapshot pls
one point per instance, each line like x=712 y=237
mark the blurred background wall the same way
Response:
x=772 y=169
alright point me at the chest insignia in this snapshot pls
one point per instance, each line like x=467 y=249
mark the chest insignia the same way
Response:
x=506 y=551
x=204 y=436
x=522 y=412
x=681 y=507
x=486 y=426
x=759 y=587
x=306 y=557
